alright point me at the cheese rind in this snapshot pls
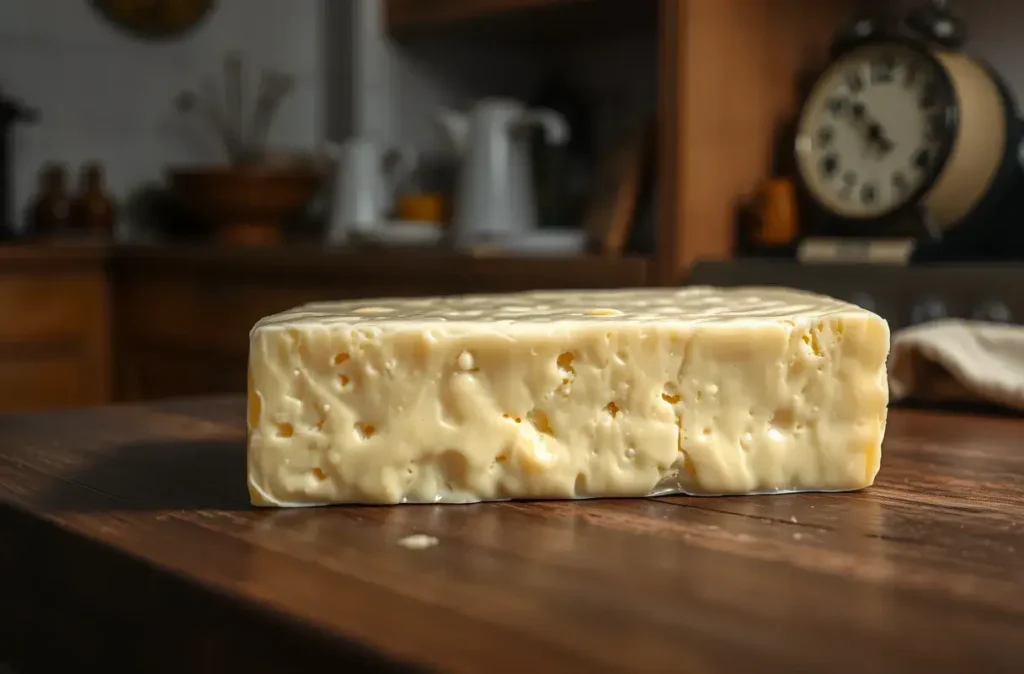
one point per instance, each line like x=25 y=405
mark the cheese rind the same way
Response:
x=565 y=395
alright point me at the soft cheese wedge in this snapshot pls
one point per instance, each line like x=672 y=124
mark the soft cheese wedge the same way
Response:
x=565 y=395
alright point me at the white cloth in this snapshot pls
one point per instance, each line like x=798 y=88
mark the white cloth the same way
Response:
x=957 y=360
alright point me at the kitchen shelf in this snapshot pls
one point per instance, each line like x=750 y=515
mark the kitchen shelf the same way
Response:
x=422 y=269
x=530 y=20
x=100 y=322
x=728 y=72
x=182 y=314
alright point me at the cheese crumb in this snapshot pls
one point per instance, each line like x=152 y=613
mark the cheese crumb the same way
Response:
x=418 y=542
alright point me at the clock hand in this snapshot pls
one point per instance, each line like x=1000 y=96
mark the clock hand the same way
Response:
x=873 y=131
x=877 y=137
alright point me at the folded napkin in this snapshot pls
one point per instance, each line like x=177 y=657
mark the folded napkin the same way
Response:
x=958 y=361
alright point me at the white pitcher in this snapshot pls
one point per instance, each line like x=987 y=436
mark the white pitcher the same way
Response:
x=494 y=199
x=365 y=182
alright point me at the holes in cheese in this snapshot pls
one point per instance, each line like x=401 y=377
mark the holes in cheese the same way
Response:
x=566 y=370
x=783 y=418
x=364 y=430
x=541 y=422
x=688 y=466
x=344 y=380
x=254 y=408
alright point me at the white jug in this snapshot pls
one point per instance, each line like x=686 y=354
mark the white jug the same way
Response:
x=365 y=182
x=494 y=199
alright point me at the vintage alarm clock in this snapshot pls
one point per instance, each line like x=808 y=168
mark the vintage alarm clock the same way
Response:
x=904 y=125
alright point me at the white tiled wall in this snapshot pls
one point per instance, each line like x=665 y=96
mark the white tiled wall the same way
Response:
x=108 y=96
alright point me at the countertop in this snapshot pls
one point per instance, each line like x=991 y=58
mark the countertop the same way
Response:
x=129 y=541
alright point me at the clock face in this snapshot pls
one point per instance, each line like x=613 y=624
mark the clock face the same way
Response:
x=875 y=130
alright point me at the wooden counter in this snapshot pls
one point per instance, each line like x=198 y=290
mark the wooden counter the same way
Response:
x=129 y=543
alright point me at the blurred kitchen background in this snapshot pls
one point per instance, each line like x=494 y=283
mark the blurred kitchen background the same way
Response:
x=173 y=170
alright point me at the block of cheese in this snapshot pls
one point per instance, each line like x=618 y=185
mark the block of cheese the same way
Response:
x=577 y=394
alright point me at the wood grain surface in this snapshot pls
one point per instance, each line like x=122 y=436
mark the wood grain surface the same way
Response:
x=128 y=541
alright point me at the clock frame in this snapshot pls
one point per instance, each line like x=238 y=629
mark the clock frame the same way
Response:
x=977 y=148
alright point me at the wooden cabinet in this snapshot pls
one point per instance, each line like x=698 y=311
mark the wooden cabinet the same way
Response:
x=183 y=316
x=54 y=337
x=89 y=325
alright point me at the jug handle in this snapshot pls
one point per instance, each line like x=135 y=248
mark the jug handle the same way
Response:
x=556 y=129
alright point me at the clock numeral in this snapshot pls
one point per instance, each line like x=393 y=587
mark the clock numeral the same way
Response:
x=836 y=105
x=899 y=182
x=854 y=81
x=868 y=193
x=882 y=69
x=923 y=159
x=829 y=164
x=850 y=178
x=824 y=136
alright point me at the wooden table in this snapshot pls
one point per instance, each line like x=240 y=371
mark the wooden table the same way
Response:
x=127 y=539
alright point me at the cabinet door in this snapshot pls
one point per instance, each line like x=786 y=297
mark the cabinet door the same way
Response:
x=53 y=337
x=190 y=335
x=183 y=320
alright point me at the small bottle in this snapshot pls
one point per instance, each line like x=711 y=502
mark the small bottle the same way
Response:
x=51 y=210
x=93 y=209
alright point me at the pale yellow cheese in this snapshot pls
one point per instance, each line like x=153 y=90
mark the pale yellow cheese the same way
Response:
x=565 y=395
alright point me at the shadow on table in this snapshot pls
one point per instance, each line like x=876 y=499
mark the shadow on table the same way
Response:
x=205 y=475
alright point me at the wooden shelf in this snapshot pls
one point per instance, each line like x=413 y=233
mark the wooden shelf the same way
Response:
x=412 y=13
x=183 y=314
x=517 y=20
x=425 y=268
x=728 y=78
x=97 y=322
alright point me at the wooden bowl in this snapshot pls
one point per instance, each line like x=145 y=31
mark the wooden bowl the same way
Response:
x=247 y=205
